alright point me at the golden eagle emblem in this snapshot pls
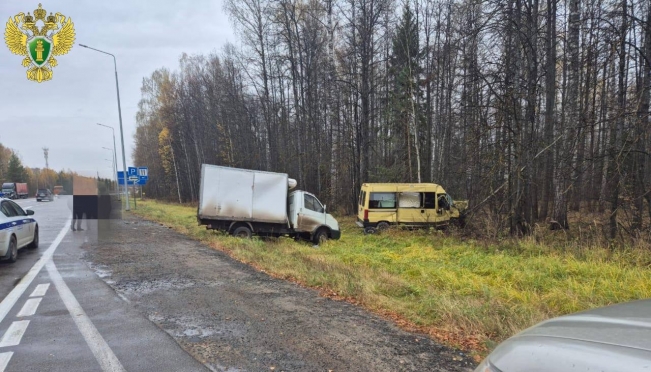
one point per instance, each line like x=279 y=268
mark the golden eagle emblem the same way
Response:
x=39 y=42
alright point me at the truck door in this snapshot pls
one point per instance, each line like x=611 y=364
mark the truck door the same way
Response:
x=294 y=206
x=311 y=215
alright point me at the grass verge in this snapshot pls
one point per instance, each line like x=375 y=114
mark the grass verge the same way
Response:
x=468 y=294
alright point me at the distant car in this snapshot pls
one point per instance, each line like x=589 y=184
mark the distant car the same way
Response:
x=44 y=194
x=18 y=229
x=609 y=339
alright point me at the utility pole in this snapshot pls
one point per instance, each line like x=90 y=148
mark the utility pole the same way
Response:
x=46 y=151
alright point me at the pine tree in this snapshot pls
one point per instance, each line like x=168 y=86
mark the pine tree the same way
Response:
x=405 y=68
x=15 y=170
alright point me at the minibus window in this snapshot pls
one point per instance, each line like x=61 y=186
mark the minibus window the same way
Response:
x=380 y=200
x=410 y=200
x=429 y=200
x=443 y=202
x=450 y=201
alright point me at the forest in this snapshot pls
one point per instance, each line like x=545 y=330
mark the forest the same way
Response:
x=13 y=170
x=530 y=109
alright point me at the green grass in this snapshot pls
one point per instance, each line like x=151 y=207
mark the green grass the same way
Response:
x=468 y=294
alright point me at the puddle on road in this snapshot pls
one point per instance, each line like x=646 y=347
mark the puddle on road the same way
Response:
x=182 y=327
x=206 y=351
x=103 y=272
x=195 y=329
x=126 y=288
x=144 y=287
x=220 y=368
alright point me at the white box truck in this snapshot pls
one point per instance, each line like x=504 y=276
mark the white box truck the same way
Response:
x=246 y=202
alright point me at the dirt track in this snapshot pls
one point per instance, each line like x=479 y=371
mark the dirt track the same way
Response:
x=233 y=318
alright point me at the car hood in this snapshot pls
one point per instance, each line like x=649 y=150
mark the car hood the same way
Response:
x=627 y=325
x=461 y=205
x=332 y=222
x=613 y=338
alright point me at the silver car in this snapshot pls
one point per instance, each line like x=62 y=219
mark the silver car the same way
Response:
x=610 y=339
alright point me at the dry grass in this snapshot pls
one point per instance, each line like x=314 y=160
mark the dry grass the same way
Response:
x=467 y=293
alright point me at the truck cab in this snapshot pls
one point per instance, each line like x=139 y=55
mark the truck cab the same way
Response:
x=9 y=190
x=307 y=216
x=13 y=190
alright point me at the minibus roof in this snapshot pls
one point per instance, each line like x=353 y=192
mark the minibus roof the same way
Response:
x=402 y=187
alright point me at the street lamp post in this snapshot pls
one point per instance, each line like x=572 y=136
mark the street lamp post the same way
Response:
x=115 y=172
x=114 y=156
x=117 y=88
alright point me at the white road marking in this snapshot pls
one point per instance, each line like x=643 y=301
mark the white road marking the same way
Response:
x=102 y=352
x=28 y=207
x=40 y=290
x=30 y=307
x=123 y=297
x=8 y=303
x=14 y=334
x=4 y=360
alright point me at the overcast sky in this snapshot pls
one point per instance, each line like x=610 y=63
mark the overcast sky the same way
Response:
x=61 y=113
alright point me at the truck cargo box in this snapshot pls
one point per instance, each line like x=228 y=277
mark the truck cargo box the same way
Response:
x=242 y=195
x=21 y=189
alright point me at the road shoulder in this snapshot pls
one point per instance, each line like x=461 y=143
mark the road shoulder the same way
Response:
x=231 y=317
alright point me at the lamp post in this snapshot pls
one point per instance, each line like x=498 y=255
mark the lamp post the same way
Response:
x=117 y=88
x=117 y=186
x=115 y=173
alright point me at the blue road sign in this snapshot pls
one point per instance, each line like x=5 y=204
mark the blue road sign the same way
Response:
x=143 y=173
x=135 y=176
x=121 y=179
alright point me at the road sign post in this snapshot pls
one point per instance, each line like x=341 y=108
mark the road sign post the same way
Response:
x=136 y=176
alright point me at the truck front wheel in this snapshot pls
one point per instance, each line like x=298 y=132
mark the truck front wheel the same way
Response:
x=242 y=232
x=320 y=237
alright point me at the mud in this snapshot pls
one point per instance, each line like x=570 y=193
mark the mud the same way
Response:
x=233 y=318
x=307 y=223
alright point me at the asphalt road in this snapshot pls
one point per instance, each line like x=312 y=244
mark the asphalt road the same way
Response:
x=58 y=315
x=132 y=295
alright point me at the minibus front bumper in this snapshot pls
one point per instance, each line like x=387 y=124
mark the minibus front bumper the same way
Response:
x=364 y=223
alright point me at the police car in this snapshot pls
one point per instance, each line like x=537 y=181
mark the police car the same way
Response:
x=18 y=229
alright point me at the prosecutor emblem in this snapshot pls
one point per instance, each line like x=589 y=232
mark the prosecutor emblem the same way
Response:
x=39 y=38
